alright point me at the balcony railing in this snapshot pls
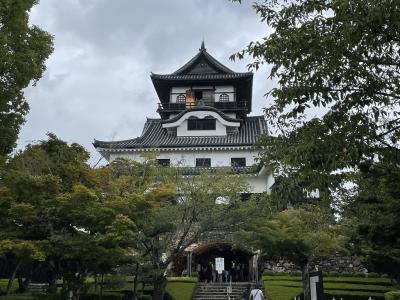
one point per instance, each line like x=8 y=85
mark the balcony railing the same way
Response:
x=232 y=105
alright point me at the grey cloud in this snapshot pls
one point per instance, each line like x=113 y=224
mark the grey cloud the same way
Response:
x=97 y=83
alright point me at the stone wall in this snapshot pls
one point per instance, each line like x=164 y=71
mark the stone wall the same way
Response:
x=335 y=263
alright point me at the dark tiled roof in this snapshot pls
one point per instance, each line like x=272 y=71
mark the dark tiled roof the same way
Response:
x=154 y=136
x=201 y=76
x=200 y=108
x=202 y=66
x=203 y=54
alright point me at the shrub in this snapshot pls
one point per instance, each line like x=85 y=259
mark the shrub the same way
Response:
x=347 y=274
x=333 y=274
x=392 y=295
x=269 y=273
x=145 y=297
x=373 y=275
x=108 y=296
x=114 y=281
x=295 y=273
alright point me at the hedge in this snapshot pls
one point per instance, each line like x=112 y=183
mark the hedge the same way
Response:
x=392 y=295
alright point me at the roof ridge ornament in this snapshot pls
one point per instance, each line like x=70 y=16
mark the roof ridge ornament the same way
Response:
x=202 y=47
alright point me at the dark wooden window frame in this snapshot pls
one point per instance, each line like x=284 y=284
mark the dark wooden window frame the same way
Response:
x=201 y=124
x=203 y=162
x=238 y=161
x=224 y=97
x=181 y=98
x=165 y=162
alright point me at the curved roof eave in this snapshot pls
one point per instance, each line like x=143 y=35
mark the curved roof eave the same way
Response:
x=201 y=108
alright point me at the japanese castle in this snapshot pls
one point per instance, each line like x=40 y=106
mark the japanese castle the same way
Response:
x=204 y=122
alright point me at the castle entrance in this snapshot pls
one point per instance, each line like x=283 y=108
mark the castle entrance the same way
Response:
x=237 y=262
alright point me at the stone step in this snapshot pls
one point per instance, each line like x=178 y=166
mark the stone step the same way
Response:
x=217 y=291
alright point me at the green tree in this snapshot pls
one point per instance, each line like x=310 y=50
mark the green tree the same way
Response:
x=169 y=212
x=373 y=217
x=299 y=235
x=51 y=200
x=338 y=59
x=19 y=252
x=24 y=49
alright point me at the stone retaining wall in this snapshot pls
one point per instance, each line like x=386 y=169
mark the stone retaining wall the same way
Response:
x=335 y=263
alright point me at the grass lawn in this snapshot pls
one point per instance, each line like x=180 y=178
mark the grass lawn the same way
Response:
x=287 y=287
x=180 y=288
x=17 y=297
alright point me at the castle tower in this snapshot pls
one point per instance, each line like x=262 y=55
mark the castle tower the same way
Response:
x=204 y=122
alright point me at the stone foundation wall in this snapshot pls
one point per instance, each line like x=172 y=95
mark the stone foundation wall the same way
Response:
x=335 y=263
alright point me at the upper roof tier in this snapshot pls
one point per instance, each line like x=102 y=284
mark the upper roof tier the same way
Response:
x=204 y=70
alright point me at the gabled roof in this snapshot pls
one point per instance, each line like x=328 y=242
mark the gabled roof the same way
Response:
x=155 y=136
x=204 y=63
x=202 y=66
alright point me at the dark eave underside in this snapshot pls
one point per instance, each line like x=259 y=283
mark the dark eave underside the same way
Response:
x=201 y=76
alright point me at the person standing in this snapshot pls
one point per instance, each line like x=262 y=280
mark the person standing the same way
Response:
x=246 y=292
x=256 y=294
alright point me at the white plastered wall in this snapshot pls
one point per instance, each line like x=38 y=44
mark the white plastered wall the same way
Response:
x=221 y=158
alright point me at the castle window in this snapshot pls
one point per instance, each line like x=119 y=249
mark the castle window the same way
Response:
x=201 y=124
x=203 y=162
x=181 y=98
x=224 y=97
x=165 y=162
x=238 y=161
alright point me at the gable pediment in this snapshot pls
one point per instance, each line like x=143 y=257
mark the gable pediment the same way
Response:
x=203 y=63
x=202 y=66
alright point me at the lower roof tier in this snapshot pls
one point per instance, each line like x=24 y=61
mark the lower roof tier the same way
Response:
x=155 y=136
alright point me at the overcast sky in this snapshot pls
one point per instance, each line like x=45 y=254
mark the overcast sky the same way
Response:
x=97 y=83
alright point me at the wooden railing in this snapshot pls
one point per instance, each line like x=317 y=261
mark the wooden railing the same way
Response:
x=218 y=105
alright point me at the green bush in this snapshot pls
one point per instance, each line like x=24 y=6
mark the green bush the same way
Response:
x=114 y=282
x=346 y=274
x=17 y=297
x=108 y=296
x=373 y=275
x=295 y=273
x=269 y=273
x=392 y=295
x=145 y=297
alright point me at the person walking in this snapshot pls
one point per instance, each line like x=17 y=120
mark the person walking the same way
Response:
x=256 y=294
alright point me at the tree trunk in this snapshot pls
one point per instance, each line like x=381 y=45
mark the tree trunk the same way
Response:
x=95 y=283
x=101 y=287
x=52 y=275
x=159 y=285
x=20 y=283
x=135 y=281
x=12 y=277
x=306 y=280
x=23 y=283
